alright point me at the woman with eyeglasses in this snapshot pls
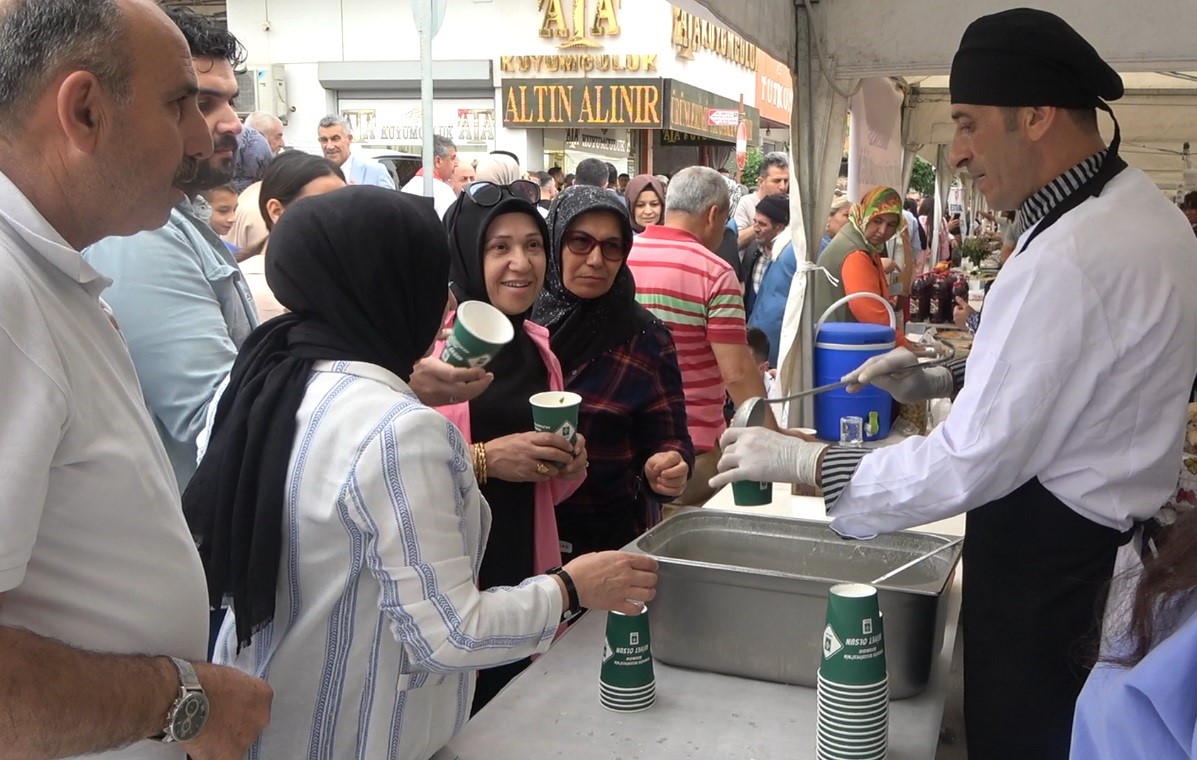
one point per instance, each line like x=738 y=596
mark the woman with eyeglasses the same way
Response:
x=342 y=516
x=497 y=255
x=621 y=360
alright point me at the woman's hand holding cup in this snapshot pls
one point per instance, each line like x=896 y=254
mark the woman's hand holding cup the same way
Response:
x=614 y=580
x=529 y=457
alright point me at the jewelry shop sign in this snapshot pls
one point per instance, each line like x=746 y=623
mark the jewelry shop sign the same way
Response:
x=561 y=104
x=700 y=113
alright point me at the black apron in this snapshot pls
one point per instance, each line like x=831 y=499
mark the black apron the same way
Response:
x=1035 y=576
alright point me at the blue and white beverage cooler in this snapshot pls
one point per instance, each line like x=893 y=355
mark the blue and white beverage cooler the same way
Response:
x=841 y=347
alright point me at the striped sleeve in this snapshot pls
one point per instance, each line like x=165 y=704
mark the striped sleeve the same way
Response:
x=839 y=464
x=956 y=366
x=725 y=310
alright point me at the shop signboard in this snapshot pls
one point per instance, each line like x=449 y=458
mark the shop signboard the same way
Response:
x=614 y=144
x=579 y=28
x=774 y=89
x=560 y=104
x=689 y=108
x=399 y=122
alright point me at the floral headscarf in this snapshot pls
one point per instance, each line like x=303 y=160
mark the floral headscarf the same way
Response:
x=878 y=201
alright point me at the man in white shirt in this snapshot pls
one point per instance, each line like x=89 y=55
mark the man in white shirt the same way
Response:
x=444 y=165
x=1069 y=427
x=774 y=179
x=336 y=139
x=99 y=577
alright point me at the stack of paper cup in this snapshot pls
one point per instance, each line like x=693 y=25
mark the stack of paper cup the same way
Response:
x=853 y=686
x=626 y=680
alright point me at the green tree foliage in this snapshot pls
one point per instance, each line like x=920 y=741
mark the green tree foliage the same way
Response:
x=922 y=178
x=752 y=166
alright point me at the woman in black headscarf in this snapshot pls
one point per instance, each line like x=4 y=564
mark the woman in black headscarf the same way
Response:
x=622 y=361
x=497 y=255
x=342 y=516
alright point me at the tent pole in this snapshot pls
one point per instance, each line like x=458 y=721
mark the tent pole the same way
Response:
x=803 y=122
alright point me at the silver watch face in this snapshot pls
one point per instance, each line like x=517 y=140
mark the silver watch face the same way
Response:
x=189 y=717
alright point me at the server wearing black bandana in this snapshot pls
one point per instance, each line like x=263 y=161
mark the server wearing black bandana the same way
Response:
x=1069 y=412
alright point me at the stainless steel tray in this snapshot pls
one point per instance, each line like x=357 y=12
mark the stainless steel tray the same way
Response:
x=746 y=595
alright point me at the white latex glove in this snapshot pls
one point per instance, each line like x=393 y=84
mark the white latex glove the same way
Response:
x=757 y=453
x=907 y=385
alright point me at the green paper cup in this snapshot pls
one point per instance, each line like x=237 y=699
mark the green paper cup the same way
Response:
x=556 y=412
x=853 y=642
x=479 y=331
x=627 y=658
x=751 y=493
x=628 y=708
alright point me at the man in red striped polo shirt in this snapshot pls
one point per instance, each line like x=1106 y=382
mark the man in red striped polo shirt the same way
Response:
x=681 y=280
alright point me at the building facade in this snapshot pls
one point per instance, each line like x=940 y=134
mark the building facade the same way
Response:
x=639 y=84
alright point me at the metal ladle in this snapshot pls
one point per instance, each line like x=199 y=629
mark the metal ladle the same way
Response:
x=751 y=413
x=915 y=561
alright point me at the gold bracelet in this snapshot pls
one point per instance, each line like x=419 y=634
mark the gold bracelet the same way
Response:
x=480 y=463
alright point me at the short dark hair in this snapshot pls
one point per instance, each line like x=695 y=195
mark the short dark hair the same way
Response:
x=591 y=171
x=40 y=38
x=569 y=180
x=758 y=344
x=911 y=205
x=225 y=188
x=612 y=174
x=624 y=176
x=545 y=178
x=206 y=38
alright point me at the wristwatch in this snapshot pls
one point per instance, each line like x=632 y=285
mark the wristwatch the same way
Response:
x=571 y=591
x=189 y=713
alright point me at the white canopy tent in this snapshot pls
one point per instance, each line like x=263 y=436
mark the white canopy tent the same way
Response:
x=831 y=44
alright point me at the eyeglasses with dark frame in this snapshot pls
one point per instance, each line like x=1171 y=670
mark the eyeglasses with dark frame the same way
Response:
x=489 y=194
x=582 y=243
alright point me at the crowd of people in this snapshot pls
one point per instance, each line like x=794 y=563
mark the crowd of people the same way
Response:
x=250 y=510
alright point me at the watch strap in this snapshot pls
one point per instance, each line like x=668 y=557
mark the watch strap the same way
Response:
x=188 y=680
x=571 y=591
x=188 y=683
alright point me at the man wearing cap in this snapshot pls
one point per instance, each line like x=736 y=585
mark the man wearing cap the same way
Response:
x=1069 y=426
x=768 y=304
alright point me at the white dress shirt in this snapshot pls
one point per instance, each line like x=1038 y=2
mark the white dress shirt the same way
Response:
x=379 y=623
x=94 y=550
x=1079 y=375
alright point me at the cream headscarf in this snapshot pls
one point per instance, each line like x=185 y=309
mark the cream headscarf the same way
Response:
x=497 y=168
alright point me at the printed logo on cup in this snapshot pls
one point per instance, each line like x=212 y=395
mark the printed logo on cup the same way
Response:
x=867 y=626
x=831 y=643
x=566 y=430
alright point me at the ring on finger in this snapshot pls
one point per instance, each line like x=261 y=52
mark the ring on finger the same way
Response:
x=542 y=468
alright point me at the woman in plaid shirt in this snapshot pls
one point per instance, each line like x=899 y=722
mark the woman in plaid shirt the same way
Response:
x=622 y=361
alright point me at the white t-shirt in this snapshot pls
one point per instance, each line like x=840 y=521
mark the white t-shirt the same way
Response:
x=94 y=550
x=379 y=623
x=442 y=195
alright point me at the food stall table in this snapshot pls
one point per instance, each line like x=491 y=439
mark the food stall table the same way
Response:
x=552 y=710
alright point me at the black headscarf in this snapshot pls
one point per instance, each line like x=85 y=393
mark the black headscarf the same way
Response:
x=363 y=272
x=584 y=328
x=503 y=408
x=467 y=223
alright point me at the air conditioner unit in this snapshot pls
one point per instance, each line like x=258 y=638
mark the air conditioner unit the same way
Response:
x=263 y=88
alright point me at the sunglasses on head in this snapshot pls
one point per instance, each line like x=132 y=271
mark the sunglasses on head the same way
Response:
x=581 y=243
x=489 y=194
